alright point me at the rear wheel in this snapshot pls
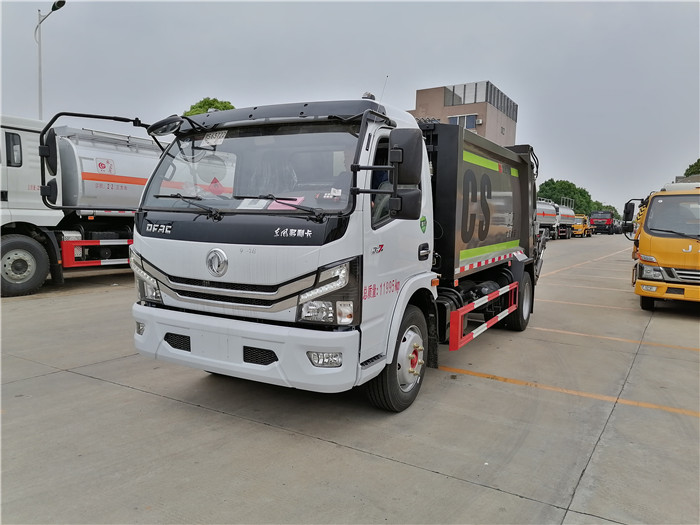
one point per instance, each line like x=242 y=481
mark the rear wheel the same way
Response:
x=397 y=386
x=646 y=303
x=518 y=320
x=25 y=265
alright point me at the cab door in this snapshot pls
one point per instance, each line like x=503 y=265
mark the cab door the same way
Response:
x=390 y=255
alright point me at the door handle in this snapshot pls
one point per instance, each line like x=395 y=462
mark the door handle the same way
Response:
x=423 y=251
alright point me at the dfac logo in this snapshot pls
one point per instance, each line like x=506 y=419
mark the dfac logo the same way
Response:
x=217 y=262
x=159 y=228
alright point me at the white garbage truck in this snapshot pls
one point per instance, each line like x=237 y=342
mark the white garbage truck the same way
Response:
x=76 y=210
x=328 y=245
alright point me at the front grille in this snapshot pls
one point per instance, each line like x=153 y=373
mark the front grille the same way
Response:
x=225 y=298
x=258 y=356
x=204 y=293
x=691 y=276
x=178 y=341
x=238 y=287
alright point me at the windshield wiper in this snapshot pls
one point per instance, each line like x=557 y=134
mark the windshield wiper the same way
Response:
x=687 y=235
x=212 y=213
x=318 y=213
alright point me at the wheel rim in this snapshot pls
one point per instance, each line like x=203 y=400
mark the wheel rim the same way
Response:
x=18 y=266
x=410 y=359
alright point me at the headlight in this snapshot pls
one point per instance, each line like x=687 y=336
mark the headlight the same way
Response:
x=335 y=297
x=146 y=285
x=650 y=273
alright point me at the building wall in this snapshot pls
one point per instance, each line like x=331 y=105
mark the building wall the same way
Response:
x=491 y=123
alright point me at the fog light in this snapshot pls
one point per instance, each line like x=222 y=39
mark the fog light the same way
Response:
x=140 y=328
x=648 y=288
x=325 y=359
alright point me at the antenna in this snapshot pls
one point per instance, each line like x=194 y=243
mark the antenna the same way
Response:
x=382 y=95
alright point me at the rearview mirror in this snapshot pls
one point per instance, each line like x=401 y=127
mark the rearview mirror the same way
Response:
x=51 y=152
x=166 y=126
x=628 y=214
x=406 y=153
x=408 y=202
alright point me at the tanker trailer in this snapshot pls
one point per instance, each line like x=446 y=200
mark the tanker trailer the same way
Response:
x=547 y=217
x=566 y=218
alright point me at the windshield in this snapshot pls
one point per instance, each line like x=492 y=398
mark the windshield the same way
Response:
x=287 y=168
x=601 y=215
x=674 y=213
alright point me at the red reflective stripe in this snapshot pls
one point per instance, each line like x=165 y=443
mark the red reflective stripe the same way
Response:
x=457 y=318
x=68 y=252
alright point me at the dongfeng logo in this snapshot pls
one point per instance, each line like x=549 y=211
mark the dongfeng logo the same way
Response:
x=159 y=228
x=217 y=262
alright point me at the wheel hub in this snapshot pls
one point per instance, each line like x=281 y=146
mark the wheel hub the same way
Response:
x=18 y=266
x=410 y=359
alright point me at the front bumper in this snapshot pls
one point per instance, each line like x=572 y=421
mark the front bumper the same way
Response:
x=217 y=345
x=677 y=291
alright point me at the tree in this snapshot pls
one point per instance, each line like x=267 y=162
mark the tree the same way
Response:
x=206 y=104
x=693 y=169
x=558 y=189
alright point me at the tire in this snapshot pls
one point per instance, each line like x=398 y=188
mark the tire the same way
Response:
x=646 y=303
x=25 y=265
x=518 y=320
x=397 y=386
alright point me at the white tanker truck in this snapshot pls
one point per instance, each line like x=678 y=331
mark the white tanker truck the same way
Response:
x=557 y=219
x=87 y=214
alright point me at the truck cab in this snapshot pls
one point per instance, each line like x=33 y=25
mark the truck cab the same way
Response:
x=603 y=221
x=666 y=245
x=582 y=226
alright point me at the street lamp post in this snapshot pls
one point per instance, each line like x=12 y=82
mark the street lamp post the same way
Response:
x=58 y=4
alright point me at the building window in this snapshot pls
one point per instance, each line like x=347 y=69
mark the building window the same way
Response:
x=466 y=121
x=454 y=95
x=13 y=146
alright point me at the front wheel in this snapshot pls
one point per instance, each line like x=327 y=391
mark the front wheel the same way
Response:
x=518 y=320
x=397 y=386
x=646 y=303
x=25 y=265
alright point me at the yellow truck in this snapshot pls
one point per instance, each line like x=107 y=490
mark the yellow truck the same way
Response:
x=666 y=236
x=582 y=226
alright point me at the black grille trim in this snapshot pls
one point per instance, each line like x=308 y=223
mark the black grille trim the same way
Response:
x=178 y=341
x=225 y=286
x=258 y=356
